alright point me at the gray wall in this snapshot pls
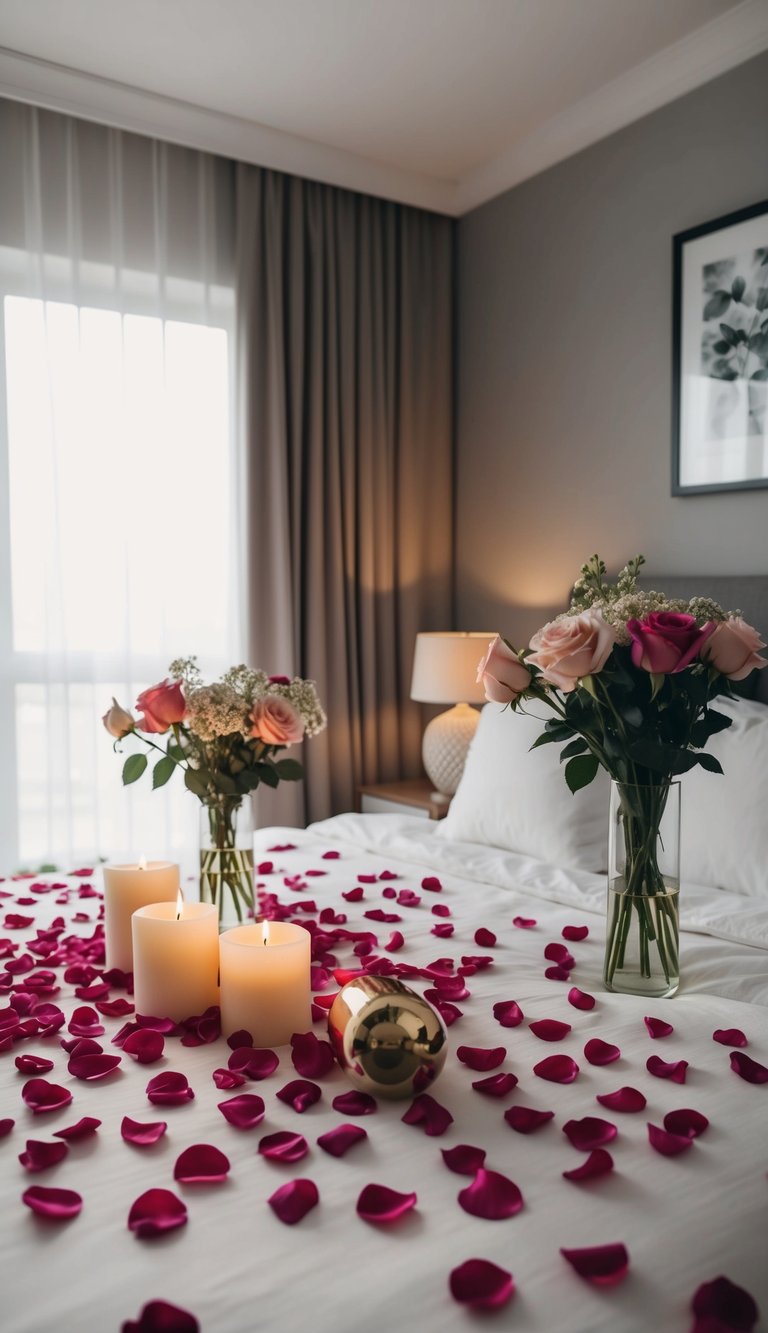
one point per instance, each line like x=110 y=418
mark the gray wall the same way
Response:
x=564 y=421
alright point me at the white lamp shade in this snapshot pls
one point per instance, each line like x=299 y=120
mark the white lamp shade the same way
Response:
x=445 y=668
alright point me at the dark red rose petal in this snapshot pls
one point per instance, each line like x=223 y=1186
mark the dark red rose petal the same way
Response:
x=225 y=1079
x=508 y=1013
x=57 y=1205
x=686 y=1121
x=39 y=1156
x=599 y=1052
x=730 y=1037
x=82 y=1046
x=155 y=1212
x=85 y=1023
x=480 y=1058
x=300 y=1094
x=464 y=1159
x=496 y=1085
x=161 y=1317
x=292 y=1201
x=524 y=922
x=169 y=1089
x=580 y=999
x=448 y=1012
x=485 y=938
x=142 y=1135
x=355 y=1103
x=145 y=1046
x=341 y=1138
x=443 y=930
x=254 y=1064
x=5 y=1127
x=625 y=1099
x=604 y=1265
x=491 y=1196
x=114 y=1008
x=91 y=1067
x=721 y=1306
x=481 y=1284
x=525 y=1120
x=557 y=1069
x=84 y=1127
x=33 y=1064
x=311 y=1058
x=201 y=1163
x=557 y=953
x=283 y=1147
x=750 y=1070
x=549 y=1029
x=378 y=1203
x=557 y=973
x=674 y=1070
x=666 y=1143
x=164 y=1025
x=589 y=1132
x=428 y=1113
x=239 y=1038
x=599 y=1163
x=657 y=1027
x=40 y=1096
x=243 y=1111
x=574 y=932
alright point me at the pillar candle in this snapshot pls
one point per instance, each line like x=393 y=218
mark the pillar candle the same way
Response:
x=265 y=975
x=175 y=959
x=126 y=888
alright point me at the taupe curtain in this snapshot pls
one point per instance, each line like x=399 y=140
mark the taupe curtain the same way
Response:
x=345 y=333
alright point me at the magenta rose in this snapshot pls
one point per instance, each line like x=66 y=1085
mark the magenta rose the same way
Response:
x=667 y=641
x=566 y=650
x=501 y=673
x=276 y=721
x=162 y=705
x=732 y=648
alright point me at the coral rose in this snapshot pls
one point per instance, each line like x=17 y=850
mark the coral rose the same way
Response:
x=732 y=648
x=667 y=641
x=118 y=721
x=162 y=705
x=276 y=721
x=568 y=649
x=501 y=673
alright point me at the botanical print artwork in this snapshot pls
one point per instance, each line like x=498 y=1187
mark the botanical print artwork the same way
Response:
x=734 y=345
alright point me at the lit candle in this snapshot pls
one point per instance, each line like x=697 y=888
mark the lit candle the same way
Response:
x=126 y=888
x=175 y=959
x=265 y=981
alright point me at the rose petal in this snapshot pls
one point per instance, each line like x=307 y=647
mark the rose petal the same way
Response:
x=243 y=1111
x=557 y=973
x=161 y=1317
x=300 y=1094
x=604 y=1265
x=580 y=999
x=425 y=1111
x=557 y=953
x=481 y=1058
x=255 y=1064
x=524 y=922
x=294 y=1200
x=448 y=1012
x=91 y=1067
x=146 y=1046
x=464 y=1159
x=311 y=1057
x=496 y=1085
x=169 y=1089
x=443 y=930
x=378 y=1203
x=485 y=938
x=721 y=1305
x=599 y=1052
x=239 y=1038
x=85 y=1126
x=355 y=1103
x=5 y=1127
x=574 y=932
x=508 y=1013
x=33 y=1064
x=481 y=1284
x=492 y=1196
x=686 y=1121
x=657 y=1027
x=114 y=1008
x=750 y=1070
x=666 y=1143
x=557 y=1069
x=39 y=1156
x=164 y=1025
x=599 y=1163
x=201 y=1163
x=40 y=1096
x=81 y=1046
x=525 y=1120
x=283 y=1147
x=589 y=1132
x=228 y=1078
x=730 y=1037
x=341 y=1138
x=57 y=1205
x=155 y=1212
x=142 y=1135
x=85 y=1023
x=674 y=1071
x=549 y=1029
x=625 y=1099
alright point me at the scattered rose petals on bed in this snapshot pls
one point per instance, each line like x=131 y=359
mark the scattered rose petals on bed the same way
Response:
x=33 y=1064
x=355 y=1103
x=55 y=1204
x=549 y=1029
x=92 y=1067
x=686 y=1121
x=675 y=1070
x=730 y=1037
x=464 y=1159
x=40 y=1156
x=580 y=999
x=599 y=1163
x=84 y=1127
x=557 y=1069
x=283 y=1146
x=525 y=1119
x=300 y=1094
x=524 y=922
x=311 y=1057
x=599 y=1052
x=666 y=1143
x=243 y=1111
x=603 y=1265
x=481 y=1058
x=40 y=1096
x=492 y=1196
x=720 y=1306
x=292 y=1201
x=341 y=1138
x=169 y=1089
x=146 y=1046
x=161 y=1317
x=379 y=1203
x=254 y=1064
x=496 y=1085
x=508 y=1013
x=155 y=1212
x=589 y=1132
x=750 y=1070
x=201 y=1163
x=624 y=1099
x=657 y=1027
x=574 y=933
x=481 y=1284
x=429 y=1114
x=142 y=1135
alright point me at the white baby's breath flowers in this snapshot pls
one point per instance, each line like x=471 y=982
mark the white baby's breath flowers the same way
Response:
x=215 y=710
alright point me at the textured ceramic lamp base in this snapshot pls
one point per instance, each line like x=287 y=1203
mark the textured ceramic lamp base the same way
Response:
x=445 y=745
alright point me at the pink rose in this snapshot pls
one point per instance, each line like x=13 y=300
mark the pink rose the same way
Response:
x=502 y=674
x=118 y=721
x=161 y=705
x=566 y=650
x=276 y=721
x=732 y=648
x=667 y=641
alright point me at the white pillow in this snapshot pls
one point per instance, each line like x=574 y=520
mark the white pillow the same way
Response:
x=518 y=799
x=724 y=820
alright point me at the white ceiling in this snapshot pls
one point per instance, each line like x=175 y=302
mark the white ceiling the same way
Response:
x=442 y=103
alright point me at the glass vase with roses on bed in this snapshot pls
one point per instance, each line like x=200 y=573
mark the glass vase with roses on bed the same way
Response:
x=630 y=676
x=226 y=736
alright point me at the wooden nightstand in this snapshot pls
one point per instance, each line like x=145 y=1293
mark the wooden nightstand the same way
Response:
x=416 y=796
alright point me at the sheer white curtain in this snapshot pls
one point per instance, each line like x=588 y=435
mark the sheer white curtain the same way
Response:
x=120 y=523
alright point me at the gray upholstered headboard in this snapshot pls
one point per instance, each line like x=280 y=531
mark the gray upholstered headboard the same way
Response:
x=747 y=593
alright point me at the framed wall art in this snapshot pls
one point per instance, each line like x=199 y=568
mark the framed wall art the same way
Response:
x=720 y=354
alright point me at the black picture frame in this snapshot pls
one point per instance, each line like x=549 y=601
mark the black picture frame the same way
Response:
x=720 y=397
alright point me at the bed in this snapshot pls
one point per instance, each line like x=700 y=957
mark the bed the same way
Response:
x=684 y=1219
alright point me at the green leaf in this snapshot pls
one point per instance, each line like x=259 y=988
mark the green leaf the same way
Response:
x=709 y=762
x=225 y=784
x=657 y=682
x=133 y=768
x=762 y=296
x=579 y=746
x=631 y=715
x=175 y=751
x=721 y=347
x=729 y=335
x=195 y=782
x=717 y=304
x=580 y=772
x=162 y=771
x=267 y=774
x=737 y=288
x=289 y=770
x=760 y=375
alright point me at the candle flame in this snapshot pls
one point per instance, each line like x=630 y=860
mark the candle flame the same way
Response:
x=142 y=863
x=179 y=904
x=265 y=932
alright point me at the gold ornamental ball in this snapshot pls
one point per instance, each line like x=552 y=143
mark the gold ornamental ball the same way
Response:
x=388 y=1040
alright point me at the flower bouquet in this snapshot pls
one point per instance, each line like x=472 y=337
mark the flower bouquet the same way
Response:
x=226 y=737
x=629 y=676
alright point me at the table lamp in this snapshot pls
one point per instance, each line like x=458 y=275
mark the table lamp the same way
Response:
x=444 y=672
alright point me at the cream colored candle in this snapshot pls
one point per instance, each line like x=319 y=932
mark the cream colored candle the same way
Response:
x=175 y=959
x=265 y=981
x=126 y=888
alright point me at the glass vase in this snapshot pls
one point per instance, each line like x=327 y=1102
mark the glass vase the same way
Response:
x=642 y=932
x=226 y=859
